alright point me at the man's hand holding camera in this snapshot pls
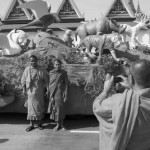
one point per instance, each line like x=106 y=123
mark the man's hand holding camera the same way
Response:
x=125 y=82
x=110 y=80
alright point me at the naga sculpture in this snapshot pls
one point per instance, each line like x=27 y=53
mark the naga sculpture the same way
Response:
x=101 y=26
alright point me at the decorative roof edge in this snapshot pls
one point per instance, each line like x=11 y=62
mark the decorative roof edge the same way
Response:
x=74 y=6
x=11 y=6
x=125 y=4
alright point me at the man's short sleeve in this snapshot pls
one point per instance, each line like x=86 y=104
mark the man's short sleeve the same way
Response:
x=104 y=109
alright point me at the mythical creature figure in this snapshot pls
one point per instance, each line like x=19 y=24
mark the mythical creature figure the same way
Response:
x=42 y=12
x=12 y=43
x=101 y=26
x=101 y=42
x=132 y=32
x=67 y=38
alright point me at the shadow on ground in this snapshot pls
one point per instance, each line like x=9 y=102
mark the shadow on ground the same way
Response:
x=71 y=121
x=13 y=118
x=3 y=140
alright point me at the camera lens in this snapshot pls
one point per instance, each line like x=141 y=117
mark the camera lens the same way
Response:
x=117 y=79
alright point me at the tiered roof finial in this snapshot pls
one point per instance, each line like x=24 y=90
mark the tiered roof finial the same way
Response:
x=138 y=8
x=132 y=5
x=139 y=14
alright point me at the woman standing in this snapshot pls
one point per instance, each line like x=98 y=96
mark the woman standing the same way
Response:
x=58 y=87
x=34 y=82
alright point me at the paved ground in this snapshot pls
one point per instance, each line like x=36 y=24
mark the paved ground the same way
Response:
x=14 y=137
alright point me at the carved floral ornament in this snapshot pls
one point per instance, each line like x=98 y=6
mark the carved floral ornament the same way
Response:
x=17 y=11
x=118 y=8
x=67 y=9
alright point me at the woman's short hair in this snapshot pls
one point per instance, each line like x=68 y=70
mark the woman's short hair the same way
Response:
x=33 y=56
x=57 y=60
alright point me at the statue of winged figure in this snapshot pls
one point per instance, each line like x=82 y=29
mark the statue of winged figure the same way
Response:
x=41 y=10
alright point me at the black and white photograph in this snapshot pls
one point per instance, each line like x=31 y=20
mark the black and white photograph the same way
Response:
x=74 y=75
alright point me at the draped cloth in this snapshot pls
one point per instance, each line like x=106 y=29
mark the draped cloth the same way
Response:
x=123 y=119
x=58 y=93
x=35 y=80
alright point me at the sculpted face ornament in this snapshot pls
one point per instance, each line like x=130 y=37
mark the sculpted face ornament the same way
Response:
x=69 y=32
x=117 y=40
x=22 y=39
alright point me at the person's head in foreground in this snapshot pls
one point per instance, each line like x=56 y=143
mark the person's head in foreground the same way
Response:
x=140 y=74
x=124 y=118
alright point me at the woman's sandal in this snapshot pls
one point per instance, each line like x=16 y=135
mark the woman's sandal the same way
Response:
x=30 y=128
x=63 y=129
x=40 y=127
x=57 y=128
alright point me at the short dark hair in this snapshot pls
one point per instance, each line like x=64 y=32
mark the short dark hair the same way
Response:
x=57 y=60
x=33 y=56
x=140 y=71
x=50 y=31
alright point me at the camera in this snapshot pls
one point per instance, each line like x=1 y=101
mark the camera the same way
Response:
x=117 y=79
